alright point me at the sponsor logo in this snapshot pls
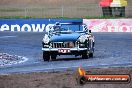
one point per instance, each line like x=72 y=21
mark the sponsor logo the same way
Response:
x=24 y=27
x=31 y=25
x=109 y=25
x=123 y=28
x=84 y=77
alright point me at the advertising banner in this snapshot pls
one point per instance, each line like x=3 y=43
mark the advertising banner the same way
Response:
x=31 y=25
x=109 y=25
x=40 y=25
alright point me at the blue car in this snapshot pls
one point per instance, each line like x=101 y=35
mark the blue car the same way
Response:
x=67 y=39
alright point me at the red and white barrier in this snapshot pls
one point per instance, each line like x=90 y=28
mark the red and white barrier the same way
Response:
x=109 y=25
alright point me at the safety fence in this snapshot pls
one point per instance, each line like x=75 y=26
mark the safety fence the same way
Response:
x=93 y=10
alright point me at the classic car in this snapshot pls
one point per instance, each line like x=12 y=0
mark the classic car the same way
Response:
x=68 y=39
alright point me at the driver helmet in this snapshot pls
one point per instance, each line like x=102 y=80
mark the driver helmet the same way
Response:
x=57 y=26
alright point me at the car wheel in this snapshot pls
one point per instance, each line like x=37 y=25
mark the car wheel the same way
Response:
x=46 y=56
x=91 y=55
x=42 y=44
x=85 y=55
x=53 y=57
x=91 y=48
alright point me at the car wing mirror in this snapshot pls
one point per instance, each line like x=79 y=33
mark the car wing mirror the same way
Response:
x=90 y=31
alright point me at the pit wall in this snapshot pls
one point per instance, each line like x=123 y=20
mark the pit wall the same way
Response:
x=40 y=25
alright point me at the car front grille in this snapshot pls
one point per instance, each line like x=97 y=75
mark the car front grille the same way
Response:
x=63 y=44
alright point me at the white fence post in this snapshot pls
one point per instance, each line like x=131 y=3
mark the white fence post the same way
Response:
x=62 y=11
x=25 y=12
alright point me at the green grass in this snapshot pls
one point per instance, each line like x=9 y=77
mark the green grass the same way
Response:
x=28 y=17
x=107 y=17
x=11 y=9
x=15 y=17
x=35 y=17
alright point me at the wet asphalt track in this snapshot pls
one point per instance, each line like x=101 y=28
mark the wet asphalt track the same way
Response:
x=111 y=49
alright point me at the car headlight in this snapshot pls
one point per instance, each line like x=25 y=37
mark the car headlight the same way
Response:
x=82 y=38
x=46 y=39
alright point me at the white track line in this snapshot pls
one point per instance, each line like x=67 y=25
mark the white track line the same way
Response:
x=7 y=36
x=24 y=59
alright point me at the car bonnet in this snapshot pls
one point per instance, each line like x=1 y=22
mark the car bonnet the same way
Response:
x=65 y=37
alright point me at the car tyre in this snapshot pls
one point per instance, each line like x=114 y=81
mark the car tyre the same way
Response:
x=46 y=56
x=91 y=55
x=42 y=44
x=85 y=55
x=53 y=57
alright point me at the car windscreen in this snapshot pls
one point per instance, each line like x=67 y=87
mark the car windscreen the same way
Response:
x=72 y=27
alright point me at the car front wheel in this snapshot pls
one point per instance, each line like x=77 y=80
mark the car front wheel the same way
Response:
x=46 y=56
x=85 y=55
x=53 y=57
x=91 y=55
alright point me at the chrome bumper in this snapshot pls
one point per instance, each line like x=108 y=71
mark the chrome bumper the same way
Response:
x=71 y=49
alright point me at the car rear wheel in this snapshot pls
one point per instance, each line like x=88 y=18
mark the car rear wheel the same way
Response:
x=46 y=56
x=42 y=44
x=91 y=48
